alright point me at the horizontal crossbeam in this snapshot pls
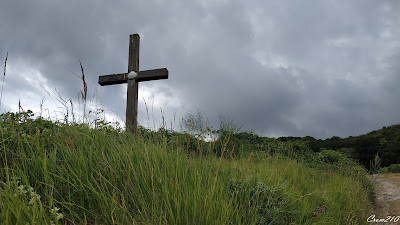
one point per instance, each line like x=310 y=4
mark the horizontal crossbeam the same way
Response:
x=145 y=75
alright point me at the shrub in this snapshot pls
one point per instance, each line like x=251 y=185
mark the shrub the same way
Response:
x=330 y=156
x=383 y=170
x=394 y=168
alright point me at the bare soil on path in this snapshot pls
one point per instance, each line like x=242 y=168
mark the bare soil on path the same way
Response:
x=387 y=197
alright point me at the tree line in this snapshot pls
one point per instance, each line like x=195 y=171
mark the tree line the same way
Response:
x=385 y=142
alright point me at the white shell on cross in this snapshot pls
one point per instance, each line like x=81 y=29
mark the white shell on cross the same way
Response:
x=132 y=75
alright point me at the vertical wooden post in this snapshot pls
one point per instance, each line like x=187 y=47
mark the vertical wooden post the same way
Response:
x=133 y=85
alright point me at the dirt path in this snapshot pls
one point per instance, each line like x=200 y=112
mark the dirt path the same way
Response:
x=387 y=197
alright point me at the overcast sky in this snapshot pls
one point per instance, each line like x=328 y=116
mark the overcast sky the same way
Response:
x=280 y=68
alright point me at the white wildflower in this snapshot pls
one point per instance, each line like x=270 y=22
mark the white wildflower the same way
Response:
x=34 y=198
x=21 y=189
x=60 y=216
x=54 y=211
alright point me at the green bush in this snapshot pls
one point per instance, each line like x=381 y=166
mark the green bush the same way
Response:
x=383 y=170
x=334 y=160
x=394 y=168
x=330 y=156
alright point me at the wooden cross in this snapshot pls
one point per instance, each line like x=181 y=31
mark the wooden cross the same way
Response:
x=133 y=84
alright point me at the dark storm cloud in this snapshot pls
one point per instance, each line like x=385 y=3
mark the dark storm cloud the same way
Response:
x=296 y=68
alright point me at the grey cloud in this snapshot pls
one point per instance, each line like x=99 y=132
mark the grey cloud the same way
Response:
x=281 y=68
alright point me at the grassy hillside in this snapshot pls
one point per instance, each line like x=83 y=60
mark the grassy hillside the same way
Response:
x=385 y=142
x=55 y=173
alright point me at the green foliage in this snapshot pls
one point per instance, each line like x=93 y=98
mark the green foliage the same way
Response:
x=20 y=202
x=331 y=157
x=347 y=151
x=96 y=174
x=363 y=148
x=394 y=168
x=269 y=204
x=24 y=122
x=383 y=170
x=339 y=163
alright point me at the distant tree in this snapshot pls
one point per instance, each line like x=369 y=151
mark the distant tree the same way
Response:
x=194 y=122
x=228 y=124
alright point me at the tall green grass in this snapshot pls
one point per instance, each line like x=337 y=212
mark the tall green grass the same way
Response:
x=55 y=173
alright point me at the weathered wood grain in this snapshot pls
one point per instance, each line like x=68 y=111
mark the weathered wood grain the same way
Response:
x=145 y=75
x=133 y=84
